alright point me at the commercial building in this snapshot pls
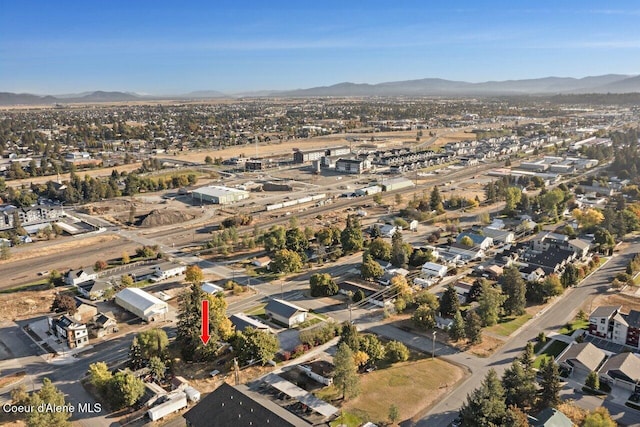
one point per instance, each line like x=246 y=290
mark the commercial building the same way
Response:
x=219 y=195
x=396 y=184
x=307 y=156
x=355 y=166
x=142 y=304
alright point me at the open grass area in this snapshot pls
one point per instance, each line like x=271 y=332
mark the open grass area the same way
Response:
x=573 y=326
x=552 y=351
x=411 y=386
x=346 y=419
x=258 y=310
x=507 y=325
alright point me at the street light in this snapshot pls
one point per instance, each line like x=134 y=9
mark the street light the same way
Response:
x=433 y=347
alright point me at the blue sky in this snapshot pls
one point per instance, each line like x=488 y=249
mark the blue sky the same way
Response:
x=169 y=47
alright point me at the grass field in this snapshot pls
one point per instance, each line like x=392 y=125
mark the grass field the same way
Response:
x=412 y=386
x=573 y=326
x=507 y=325
x=552 y=351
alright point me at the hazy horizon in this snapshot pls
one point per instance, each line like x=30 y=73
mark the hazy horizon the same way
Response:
x=162 y=48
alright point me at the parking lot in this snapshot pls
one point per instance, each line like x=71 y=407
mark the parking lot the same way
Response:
x=606 y=345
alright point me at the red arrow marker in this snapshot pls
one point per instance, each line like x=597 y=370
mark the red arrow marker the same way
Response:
x=204 y=335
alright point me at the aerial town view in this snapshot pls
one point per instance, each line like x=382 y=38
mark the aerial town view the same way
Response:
x=319 y=214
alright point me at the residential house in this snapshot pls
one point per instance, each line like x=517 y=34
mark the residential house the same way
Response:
x=444 y=323
x=466 y=253
x=75 y=277
x=261 y=262
x=238 y=406
x=545 y=240
x=285 y=312
x=531 y=273
x=550 y=417
x=622 y=370
x=241 y=322
x=387 y=230
x=463 y=289
x=431 y=269
x=85 y=311
x=167 y=270
x=552 y=260
x=582 y=358
x=211 y=288
x=579 y=247
x=479 y=241
x=94 y=289
x=494 y=271
x=499 y=235
x=66 y=328
x=103 y=324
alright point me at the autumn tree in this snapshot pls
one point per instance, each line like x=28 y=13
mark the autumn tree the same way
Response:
x=370 y=269
x=64 y=303
x=587 y=218
x=194 y=275
x=152 y=342
x=286 y=261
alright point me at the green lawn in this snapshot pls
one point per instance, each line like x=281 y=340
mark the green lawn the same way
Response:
x=258 y=310
x=412 y=386
x=507 y=325
x=573 y=326
x=552 y=351
x=348 y=419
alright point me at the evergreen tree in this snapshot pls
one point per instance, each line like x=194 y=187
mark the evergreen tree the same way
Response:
x=350 y=336
x=135 y=355
x=157 y=367
x=473 y=327
x=569 y=276
x=514 y=289
x=489 y=304
x=550 y=385
x=519 y=386
x=527 y=357
x=435 y=200
x=370 y=269
x=48 y=395
x=592 y=381
x=345 y=374
x=351 y=237
x=485 y=406
x=457 y=331
x=399 y=256
x=449 y=302
x=190 y=323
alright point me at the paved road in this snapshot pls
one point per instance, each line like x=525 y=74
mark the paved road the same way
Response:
x=552 y=319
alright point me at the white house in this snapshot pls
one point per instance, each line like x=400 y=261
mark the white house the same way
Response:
x=285 y=312
x=431 y=269
x=75 y=277
x=166 y=270
x=210 y=288
x=142 y=304
x=501 y=236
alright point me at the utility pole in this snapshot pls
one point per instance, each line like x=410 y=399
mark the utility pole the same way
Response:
x=433 y=346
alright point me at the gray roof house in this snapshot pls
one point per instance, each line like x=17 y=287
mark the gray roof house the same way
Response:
x=582 y=358
x=622 y=369
x=285 y=312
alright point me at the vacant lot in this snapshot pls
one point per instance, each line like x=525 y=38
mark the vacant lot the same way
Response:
x=412 y=386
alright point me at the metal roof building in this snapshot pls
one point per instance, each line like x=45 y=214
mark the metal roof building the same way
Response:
x=219 y=195
x=142 y=304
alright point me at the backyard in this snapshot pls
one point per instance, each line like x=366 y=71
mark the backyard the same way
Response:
x=412 y=386
x=550 y=352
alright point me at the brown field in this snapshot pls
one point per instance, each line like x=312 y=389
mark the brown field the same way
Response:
x=27 y=303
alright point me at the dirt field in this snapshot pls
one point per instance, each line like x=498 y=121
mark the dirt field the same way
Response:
x=58 y=248
x=626 y=300
x=26 y=304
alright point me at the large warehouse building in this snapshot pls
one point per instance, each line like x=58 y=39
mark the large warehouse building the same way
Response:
x=219 y=195
x=142 y=304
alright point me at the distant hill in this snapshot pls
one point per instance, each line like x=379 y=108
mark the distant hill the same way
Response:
x=440 y=87
x=547 y=86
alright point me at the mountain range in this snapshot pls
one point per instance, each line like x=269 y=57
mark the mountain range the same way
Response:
x=610 y=83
